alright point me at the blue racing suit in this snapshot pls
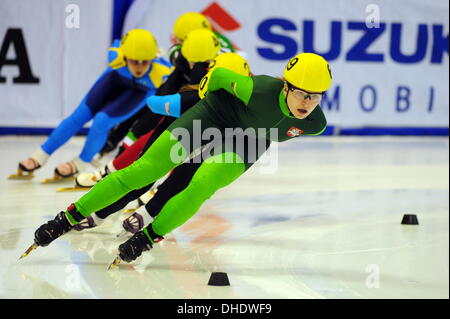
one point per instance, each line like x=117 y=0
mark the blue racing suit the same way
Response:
x=114 y=97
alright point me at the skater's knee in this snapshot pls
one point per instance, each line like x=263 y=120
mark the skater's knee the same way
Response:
x=140 y=174
x=74 y=121
x=210 y=178
x=79 y=117
x=220 y=170
x=102 y=122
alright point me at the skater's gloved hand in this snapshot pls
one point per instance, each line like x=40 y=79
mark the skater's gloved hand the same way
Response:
x=166 y=104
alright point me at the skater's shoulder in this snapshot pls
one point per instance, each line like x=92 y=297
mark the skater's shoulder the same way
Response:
x=159 y=71
x=116 y=59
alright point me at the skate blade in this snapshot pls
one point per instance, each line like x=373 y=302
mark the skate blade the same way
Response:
x=114 y=263
x=21 y=177
x=56 y=179
x=73 y=189
x=130 y=210
x=28 y=251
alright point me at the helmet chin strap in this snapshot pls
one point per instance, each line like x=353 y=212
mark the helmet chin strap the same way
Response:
x=286 y=101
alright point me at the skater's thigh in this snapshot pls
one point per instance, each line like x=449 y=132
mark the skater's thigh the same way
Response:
x=106 y=89
x=216 y=172
x=125 y=105
x=196 y=127
x=146 y=122
x=162 y=126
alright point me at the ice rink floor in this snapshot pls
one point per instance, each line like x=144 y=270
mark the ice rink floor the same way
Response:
x=325 y=224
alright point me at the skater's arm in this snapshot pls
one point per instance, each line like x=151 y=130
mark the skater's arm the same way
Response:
x=173 y=105
x=166 y=105
x=159 y=73
x=172 y=85
x=239 y=85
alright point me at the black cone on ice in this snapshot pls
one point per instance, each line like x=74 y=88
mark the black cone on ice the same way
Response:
x=218 y=279
x=410 y=219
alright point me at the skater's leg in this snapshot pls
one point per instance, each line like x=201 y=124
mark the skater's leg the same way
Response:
x=234 y=157
x=130 y=101
x=120 y=131
x=131 y=153
x=121 y=203
x=122 y=160
x=67 y=128
x=98 y=218
x=174 y=184
x=154 y=164
x=166 y=153
x=105 y=89
x=122 y=108
x=177 y=181
x=215 y=173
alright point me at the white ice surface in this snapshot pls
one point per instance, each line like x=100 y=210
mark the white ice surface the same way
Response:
x=325 y=225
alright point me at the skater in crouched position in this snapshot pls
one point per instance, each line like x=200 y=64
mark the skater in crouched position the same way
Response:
x=276 y=110
x=185 y=71
x=175 y=96
x=121 y=91
x=182 y=175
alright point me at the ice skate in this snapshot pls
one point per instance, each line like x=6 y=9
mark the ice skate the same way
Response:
x=75 y=188
x=142 y=200
x=137 y=221
x=91 y=221
x=133 y=247
x=63 y=172
x=83 y=182
x=50 y=231
x=25 y=170
x=88 y=180
x=56 y=178
x=23 y=174
x=67 y=171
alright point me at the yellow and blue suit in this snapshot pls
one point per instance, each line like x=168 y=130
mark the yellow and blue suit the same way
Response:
x=114 y=97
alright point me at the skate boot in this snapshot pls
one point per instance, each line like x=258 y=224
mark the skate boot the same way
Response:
x=133 y=247
x=89 y=222
x=88 y=180
x=36 y=161
x=53 y=229
x=137 y=221
x=67 y=171
x=142 y=200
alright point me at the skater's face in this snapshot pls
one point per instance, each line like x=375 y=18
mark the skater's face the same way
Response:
x=174 y=39
x=300 y=102
x=138 y=68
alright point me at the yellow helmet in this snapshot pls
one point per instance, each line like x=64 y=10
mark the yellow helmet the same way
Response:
x=139 y=44
x=231 y=61
x=200 y=45
x=188 y=22
x=308 y=71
